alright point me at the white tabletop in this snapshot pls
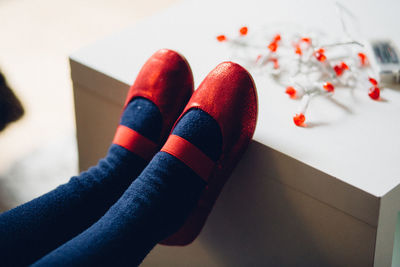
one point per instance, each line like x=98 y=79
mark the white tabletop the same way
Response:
x=350 y=137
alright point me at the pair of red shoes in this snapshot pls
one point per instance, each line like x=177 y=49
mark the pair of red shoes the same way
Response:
x=228 y=94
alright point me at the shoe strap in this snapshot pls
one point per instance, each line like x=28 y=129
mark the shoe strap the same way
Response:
x=135 y=142
x=189 y=154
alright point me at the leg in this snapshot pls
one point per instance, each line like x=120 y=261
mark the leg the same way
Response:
x=44 y=223
x=180 y=184
x=153 y=207
x=154 y=101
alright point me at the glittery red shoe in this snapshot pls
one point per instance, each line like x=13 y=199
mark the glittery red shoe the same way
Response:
x=166 y=80
x=228 y=94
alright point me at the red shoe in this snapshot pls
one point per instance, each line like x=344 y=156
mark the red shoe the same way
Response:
x=228 y=94
x=166 y=80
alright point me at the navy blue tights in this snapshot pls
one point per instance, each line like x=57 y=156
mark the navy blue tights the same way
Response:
x=43 y=224
x=154 y=205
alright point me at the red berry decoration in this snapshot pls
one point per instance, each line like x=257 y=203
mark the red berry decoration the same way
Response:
x=273 y=46
x=297 y=49
x=363 y=59
x=291 y=91
x=328 y=87
x=299 y=119
x=297 y=46
x=311 y=59
x=277 y=38
x=344 y=66
x=243 y=30
x=276 y=63
x=320 y=55
x=373 y=81
x=221 y=38
x=374 y=92
x=338 y=70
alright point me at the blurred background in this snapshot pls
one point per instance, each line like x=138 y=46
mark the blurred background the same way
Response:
x=38 y=152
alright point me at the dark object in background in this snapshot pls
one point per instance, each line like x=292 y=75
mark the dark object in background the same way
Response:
x=10 y=107
x=387 y=57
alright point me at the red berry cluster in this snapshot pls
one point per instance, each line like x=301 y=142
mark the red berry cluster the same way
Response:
x=363 y=59
x=299 y=119
x=274 y=44
x=340 y=68
x=298 y=45
x=374 y=91
x=242 y=32
x=302 y=48
x=320 y=55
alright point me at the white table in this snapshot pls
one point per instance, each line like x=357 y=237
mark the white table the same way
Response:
x=325 y=195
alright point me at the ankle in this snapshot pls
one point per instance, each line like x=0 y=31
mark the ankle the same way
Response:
x=144 y=117
x=200 y=129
